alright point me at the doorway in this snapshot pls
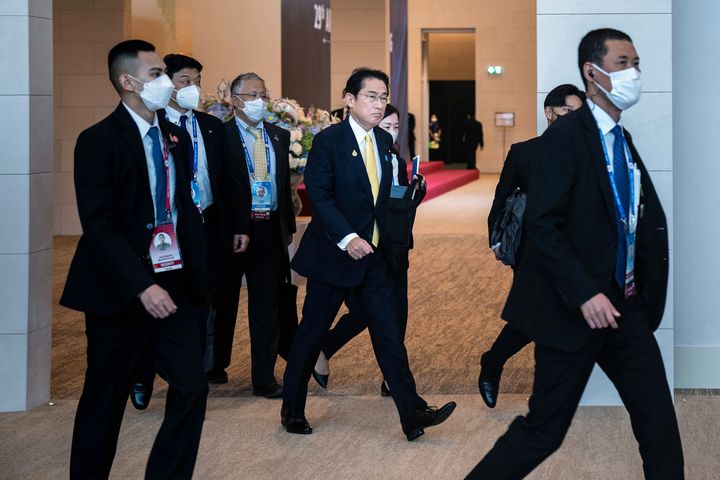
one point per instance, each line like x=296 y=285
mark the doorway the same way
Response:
x=448 y=91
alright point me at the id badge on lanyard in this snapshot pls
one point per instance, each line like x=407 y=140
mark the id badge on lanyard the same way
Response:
x=261 y=200
x=164 y=246
x=628 y=219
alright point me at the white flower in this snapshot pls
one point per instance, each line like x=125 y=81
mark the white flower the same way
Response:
x=296 y=148
x=294 y=162
x=295 y=135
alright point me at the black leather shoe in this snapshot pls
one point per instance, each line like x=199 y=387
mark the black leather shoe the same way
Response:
x=385 y=389
x=217 y=376
x=415 y=426
x=272 y=390
x=140 y=395
x=295 y=423
x=321 y=379
x=489 y=386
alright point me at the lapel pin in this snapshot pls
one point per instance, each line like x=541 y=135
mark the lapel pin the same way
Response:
x=354 y=154
x=276 y=138
x=209 y=131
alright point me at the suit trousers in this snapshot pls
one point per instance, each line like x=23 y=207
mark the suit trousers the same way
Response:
x=631 y=359
x=262 y=265
x=353 y=323
x=115 y=346
x=509 y=342
x=376 y=299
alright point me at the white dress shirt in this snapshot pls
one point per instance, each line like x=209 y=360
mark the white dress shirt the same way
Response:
x=605 y=123
x=144 y=128
x=203 y=177
x=360 y=134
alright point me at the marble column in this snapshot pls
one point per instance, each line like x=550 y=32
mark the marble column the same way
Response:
x=26 y=146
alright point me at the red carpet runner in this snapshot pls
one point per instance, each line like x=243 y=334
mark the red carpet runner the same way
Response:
x=438 y=180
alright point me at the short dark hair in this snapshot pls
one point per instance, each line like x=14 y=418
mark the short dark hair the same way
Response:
x=389 y=110
x=593 y=48
x=359 y=75
x=122 y=58
x=556 y=97
x=238 y=81
x=174 y=62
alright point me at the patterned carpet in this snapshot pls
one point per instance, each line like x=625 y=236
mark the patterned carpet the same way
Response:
x=457 y=290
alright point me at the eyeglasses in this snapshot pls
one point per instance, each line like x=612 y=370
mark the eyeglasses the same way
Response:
x=372 y=98
x=252 y=96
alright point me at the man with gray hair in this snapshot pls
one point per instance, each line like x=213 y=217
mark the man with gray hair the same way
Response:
x=260 y=151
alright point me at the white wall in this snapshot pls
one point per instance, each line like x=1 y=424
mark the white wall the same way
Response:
x=560 y=26
x=696 y=37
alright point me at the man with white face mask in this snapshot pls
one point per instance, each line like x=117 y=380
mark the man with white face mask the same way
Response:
x=215 y=187
x=139 y=272
x=260 y=151
x=592 y=282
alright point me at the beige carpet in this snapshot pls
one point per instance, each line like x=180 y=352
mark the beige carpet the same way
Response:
x=457 y=290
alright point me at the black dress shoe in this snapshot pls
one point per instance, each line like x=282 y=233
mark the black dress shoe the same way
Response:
x=321 y=379
x=217 y=376
x=415 y=426
x=385 y=389
x=295 y=423
x=140 y=395
x=489 y=386
x=272 y=390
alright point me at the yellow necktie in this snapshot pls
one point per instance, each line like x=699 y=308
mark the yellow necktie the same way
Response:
x=371 y=169
x=259 y=158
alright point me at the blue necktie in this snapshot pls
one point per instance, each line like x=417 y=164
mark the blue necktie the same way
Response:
x=191 y=152
x=160 y=180
x=622 y=184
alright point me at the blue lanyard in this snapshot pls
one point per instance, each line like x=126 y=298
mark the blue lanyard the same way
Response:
x=195 y=147
x=248 y=160
x=631 y=180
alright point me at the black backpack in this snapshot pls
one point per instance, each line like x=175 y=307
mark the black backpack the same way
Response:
x=507 y=231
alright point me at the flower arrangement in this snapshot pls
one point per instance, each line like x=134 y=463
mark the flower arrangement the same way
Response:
x=288 y=114
x=283 y=112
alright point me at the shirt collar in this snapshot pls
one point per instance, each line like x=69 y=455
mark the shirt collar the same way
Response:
x=141 y=123
x=245 y=126
x=174 y=115
x=604 y=121
x=359 y=131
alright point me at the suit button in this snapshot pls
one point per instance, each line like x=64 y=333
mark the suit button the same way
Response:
x=149 y=226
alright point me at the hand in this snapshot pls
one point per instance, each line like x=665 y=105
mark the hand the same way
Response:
x=289 y=240
x=599 y=312
x=421 y=181
x=358 y=248
x=240 y=243
x=157 y=301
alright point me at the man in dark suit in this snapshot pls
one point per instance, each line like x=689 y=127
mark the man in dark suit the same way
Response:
x=217 y=190
x=560 y=101
x=260 y=151
x=472 y=137
x=343 y=252
x=133 y=197
x=591 y=286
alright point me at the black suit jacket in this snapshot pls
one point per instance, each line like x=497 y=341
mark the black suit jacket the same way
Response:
x=225 y=181
x=514 y=175
x=571 y=220
x=339 y=189
x=111 y=265
x=280 y=139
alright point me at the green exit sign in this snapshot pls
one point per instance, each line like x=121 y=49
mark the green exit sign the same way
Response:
x=494 y=70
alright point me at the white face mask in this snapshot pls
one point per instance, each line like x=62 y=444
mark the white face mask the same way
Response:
x=188 y=97
x=255 y=109
x=626 y=87
x=156 y=94
x=394 y=134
